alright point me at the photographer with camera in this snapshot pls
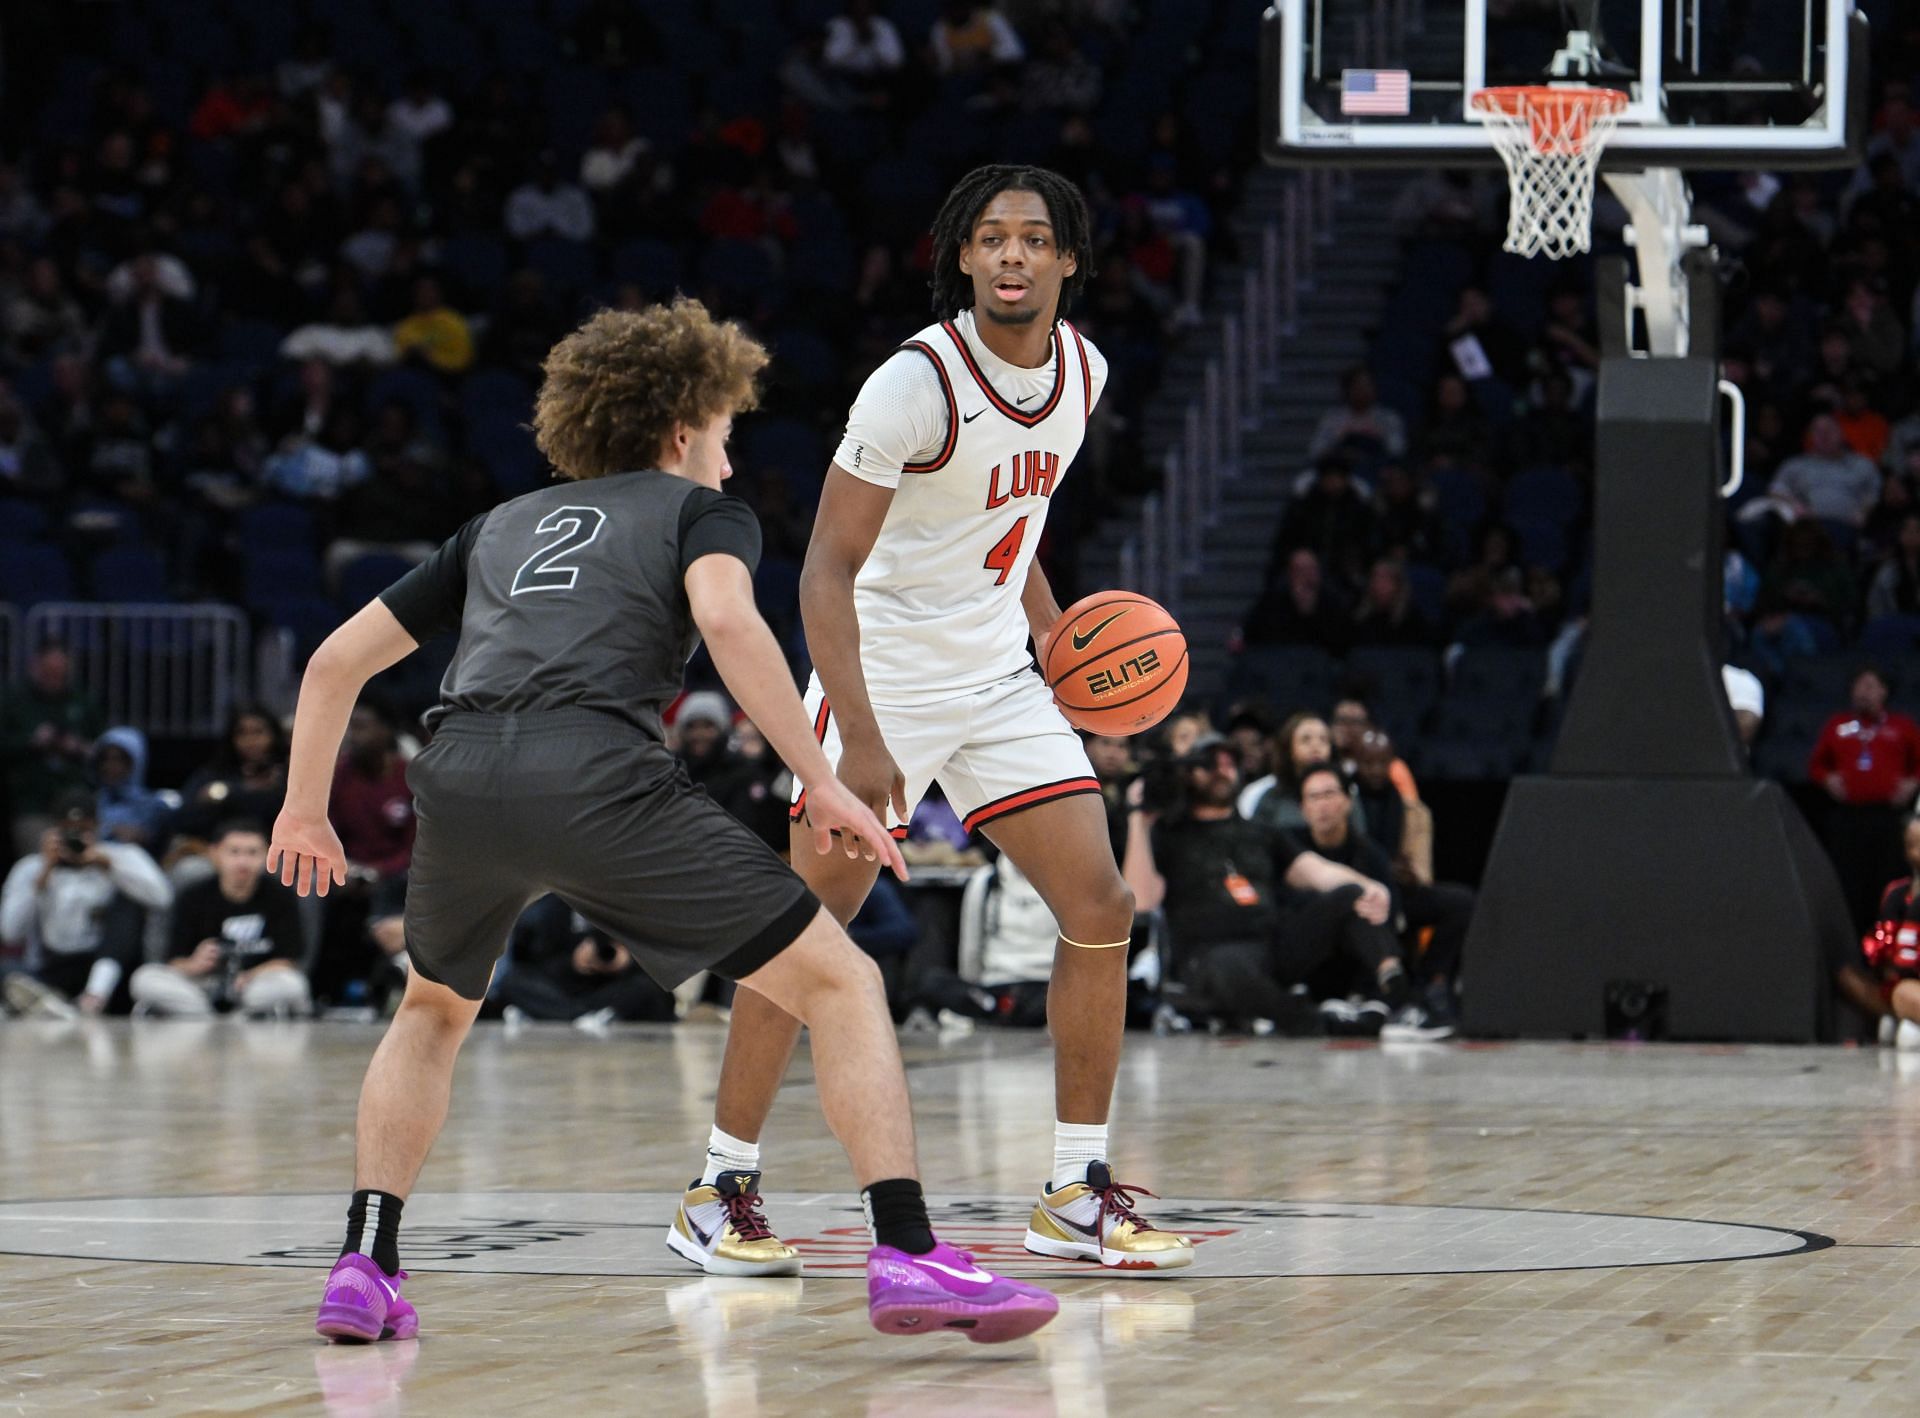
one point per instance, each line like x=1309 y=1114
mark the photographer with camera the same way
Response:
x=564 y=969
x=78 y=907
x=1250 y=909
x=235 y=941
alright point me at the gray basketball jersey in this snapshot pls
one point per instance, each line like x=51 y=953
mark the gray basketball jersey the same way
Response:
x=574 y=597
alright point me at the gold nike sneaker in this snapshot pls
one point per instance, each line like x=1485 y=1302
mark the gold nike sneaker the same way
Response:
x=1095 y=1220
x=720 y=1229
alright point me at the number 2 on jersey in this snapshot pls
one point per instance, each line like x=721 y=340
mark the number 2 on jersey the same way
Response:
x=1006 y=551
x=546 y=570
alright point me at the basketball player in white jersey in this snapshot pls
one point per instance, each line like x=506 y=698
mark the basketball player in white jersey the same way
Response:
x=920 y=594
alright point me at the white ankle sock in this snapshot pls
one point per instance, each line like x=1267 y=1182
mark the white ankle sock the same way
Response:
x=727 y=1153
x=1075 y=1145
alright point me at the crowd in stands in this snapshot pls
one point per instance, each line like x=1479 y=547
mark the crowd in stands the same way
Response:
x=276 y=281
x=1314 y=909
x=1446 y=498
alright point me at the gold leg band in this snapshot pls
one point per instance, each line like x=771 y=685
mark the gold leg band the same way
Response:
x=1109 y=945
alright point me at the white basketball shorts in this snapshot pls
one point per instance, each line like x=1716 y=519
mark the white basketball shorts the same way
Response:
x=993 y=752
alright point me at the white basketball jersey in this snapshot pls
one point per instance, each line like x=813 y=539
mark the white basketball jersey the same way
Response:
x=939 y=596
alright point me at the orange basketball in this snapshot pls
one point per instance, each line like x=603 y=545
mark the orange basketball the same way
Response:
x=1116 y=663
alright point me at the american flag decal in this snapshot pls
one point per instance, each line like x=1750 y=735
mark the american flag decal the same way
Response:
x=1380 y=91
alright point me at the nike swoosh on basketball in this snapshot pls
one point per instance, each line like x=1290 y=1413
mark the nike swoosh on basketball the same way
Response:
x=969 y=418
x=1080 y=642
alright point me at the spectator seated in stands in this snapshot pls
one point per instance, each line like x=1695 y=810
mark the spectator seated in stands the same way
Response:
x=364 y=943
x=970 y=39
x=235 y=941
x=1297 y=608
x=127 y=809
x=47 y=727
x=1113 y=764
x=434 y=333
x=1809 y=576
x=744 y=785
x=863 y=47
x=1896 y=585
x=549 y=205
x=245 y=778
x=561 y=968
x=1326 y=798
x=27 y=465
x=1829 y=481
x=1868 y=761
x=1747 y=697
x=150 y=335
x=1892 y=947
x=1402 y=826
x=1304 y=739
x=78 y=908
x=1386 y=614
x=1332 y=518
x=1359 y=421
x=1239 y=941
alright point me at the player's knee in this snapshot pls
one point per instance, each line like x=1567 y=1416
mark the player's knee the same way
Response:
x=1906 y=999
x=1104 y=918
x=431 y=1006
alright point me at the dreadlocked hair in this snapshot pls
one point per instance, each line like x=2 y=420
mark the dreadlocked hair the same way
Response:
x=953 y=228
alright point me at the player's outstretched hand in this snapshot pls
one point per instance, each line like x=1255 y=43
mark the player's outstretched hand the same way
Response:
x=306 y=854
x=832 y=807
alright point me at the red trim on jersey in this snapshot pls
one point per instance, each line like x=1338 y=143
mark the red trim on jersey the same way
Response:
x=1086 y=371
x=820 y=737
x=1012 y=412
x=953 y=412
x=1030 y=797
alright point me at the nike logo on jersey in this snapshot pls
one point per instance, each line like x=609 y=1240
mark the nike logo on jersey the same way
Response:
x=1023 y=398
x=969 y=418
x=1080 y=642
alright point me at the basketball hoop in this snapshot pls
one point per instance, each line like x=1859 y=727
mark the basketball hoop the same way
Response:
x=1550 y=138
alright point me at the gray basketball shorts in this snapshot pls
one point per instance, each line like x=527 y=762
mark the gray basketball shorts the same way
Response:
x=575 y=802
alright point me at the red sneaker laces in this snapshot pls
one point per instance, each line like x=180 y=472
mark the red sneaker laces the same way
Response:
x=1117 y=1197
x=743 y=1210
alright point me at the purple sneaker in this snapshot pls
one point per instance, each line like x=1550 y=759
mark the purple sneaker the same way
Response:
x=363 y=1304
x=944 y=1289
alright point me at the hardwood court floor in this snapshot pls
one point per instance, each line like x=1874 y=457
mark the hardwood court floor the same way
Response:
x=1383 y=1232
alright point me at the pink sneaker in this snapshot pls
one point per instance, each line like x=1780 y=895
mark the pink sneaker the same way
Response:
x=363 y=1304
x=944 y=1289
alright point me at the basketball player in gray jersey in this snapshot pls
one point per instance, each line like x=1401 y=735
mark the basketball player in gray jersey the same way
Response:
x=577 y=607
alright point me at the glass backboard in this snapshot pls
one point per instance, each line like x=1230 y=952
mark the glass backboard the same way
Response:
x=1710 y=83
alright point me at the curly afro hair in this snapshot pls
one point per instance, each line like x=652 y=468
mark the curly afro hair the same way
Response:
x=616 y=388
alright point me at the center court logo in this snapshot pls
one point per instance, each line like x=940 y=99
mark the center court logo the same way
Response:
x=622 y=1233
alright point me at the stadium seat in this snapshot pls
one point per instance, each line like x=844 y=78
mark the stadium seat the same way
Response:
x=272 y=525
x=410 y=385
x=1495 y=674
x=1544 y=493
x=652 y=265
x=476 y=264
x=569 y=267
x=1408 y=679
x=1288 y=677
x=127 y=574
x=367 y=576
x=1820 y=681
x=271 y=575
x=1890 y=635
x=30 y=574
x=21 y=520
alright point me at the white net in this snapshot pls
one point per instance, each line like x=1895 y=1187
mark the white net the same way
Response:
x=1550 y=139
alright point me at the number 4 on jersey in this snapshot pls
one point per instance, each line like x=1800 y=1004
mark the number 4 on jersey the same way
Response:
x=1006 y=551
x=546 y=569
